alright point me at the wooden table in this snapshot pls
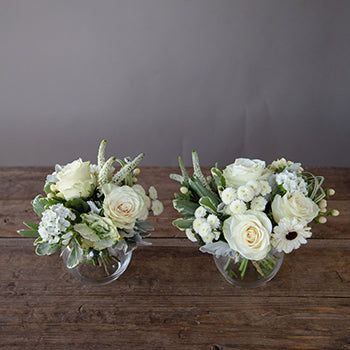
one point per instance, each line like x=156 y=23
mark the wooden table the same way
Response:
x=172 y=296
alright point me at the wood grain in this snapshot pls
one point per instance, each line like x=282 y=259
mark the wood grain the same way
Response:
x=172 y=296
x=157 y=306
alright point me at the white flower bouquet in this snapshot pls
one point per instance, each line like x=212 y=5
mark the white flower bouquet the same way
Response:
x=89 y=211
x=248 y=214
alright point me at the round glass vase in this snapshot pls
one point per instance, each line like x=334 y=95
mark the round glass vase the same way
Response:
x=248 y=273
x=104 y=269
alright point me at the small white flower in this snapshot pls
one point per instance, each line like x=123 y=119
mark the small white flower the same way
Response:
x=265 y=188
x=228 y=195
x=197 y=223
x=200 y=212
x=213 y=221
x=183 y=189
x=206 y=232
x=190 y=235
x=256 y=186
x=237 y=207
x=157 y=207
x=54 y=223
x=245 y=193
x=291 y=182
x=258 y=203
x=153 y=194
x=290 y=234
x=204 y=229
x=278 y=164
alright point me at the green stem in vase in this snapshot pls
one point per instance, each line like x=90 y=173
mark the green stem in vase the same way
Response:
x=228 y=269
x=243 y=267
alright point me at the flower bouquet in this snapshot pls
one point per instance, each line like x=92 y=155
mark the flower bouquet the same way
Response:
x=248 y=214
x=94 y=216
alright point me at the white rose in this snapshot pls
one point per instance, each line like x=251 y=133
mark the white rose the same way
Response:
x=123 y=205
x=294 y=205
x=75 y=180
x=242 y=171
x=249 y=234
x=140 y=190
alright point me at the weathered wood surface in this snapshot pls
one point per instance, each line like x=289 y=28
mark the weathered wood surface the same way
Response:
x=172 y=296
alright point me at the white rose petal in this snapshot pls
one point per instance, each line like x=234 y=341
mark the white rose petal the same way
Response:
x=295 y=205
x=139 y=189
x=75 y=180
x=123 y=205
x=249 y=234
x=242 y=171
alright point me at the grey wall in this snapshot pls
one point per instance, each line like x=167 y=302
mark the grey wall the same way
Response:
x=228 y=77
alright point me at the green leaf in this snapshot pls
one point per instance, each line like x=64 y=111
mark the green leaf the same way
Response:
x=46 y=248
x=218 y=177
x=184 y=172
x=33 y=227
x=47 y=188
x=185 y=207
x=75 y=255
x=208 y=204
x=78 y=204
x=28 y=233
x=48 y=202
x=143 y=226
x=201 y=191
x=197 y=171
x=38 y=204
x=182 y=224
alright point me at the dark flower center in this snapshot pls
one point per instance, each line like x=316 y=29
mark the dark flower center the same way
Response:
x=291 y=235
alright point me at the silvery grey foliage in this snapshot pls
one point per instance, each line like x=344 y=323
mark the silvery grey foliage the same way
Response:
x=219 y=248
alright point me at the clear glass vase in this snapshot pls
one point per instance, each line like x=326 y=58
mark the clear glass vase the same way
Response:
x=248 y=273
x=103 y=269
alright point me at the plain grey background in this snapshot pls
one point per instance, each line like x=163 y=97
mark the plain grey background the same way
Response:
x=231 y=78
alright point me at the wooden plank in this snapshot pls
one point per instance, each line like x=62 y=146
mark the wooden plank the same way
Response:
x=175 y=322
x=25 y=183
x=157 y=306
x=14 y=212
x=317 y=270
